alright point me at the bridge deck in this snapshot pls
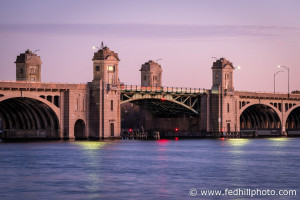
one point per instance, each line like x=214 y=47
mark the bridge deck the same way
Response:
x=25 y=85
x=136 y=88
x=267 y=95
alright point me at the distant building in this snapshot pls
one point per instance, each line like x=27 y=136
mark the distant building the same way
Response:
x=28 y=67
x=151 y=74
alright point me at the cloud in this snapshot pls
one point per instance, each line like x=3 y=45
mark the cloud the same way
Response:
x=151 y=30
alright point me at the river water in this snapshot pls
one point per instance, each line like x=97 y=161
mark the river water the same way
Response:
x=165 y=169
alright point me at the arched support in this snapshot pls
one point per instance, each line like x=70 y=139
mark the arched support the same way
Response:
x=292 y=122
x=165 y=103
x=260 y=118
x=25 y=117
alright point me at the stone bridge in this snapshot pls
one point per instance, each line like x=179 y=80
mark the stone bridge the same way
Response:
x=269 y=111
x=35 y=110
x=42 y=110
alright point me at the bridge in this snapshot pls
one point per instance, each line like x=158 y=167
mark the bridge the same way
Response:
x=269 y=111
x=164 y=100
x=35 y=110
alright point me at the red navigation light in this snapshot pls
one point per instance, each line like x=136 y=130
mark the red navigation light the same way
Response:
x=222 y=138
x=176 y=129
x=161 y=141
x=176 y=138
x=163 y=99
x=130 y=130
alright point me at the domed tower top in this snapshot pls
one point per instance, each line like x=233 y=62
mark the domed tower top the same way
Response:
x=223 y=75
x=28 y=67
x=222 y=63
x=104 y=53
x=105 y=66
x=151 y=74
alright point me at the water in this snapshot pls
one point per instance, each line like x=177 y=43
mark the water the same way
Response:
x=165 y=169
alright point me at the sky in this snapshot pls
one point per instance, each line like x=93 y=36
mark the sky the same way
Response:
x=257 y=35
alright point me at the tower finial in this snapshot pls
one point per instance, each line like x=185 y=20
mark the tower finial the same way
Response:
x=102 y=45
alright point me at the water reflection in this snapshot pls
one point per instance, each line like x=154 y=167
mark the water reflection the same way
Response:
x=147 y=170
x=238 y=142
x=91 y=145
x=92 y=159
x=281 y=141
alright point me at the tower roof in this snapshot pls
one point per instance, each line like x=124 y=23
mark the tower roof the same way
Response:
x=28 y=57
x=150 y=65
x=104 y=53
x=221 y=63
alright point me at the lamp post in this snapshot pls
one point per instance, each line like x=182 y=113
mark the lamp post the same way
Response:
x=279 y=66
x=274 y=78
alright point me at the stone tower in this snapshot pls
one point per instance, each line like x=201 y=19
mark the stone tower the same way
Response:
x=105 y=95
x=28 y=67
x=223 y=75
x=223 y=105
x=151 y=73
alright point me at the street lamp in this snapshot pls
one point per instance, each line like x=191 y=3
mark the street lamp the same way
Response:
x=102 y=46
x=279 y=66
x=274 y=78
x=94 y=47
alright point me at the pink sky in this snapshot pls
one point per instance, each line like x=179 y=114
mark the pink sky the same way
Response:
x=258 y=35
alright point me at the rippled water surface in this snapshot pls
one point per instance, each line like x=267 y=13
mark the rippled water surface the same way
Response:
x=165 y=169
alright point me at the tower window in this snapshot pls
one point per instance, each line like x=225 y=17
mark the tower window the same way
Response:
x=21 y=71
x=77 y=105
x=145 y=77
x=83 y=105
x=228 y=107
x=112 y=105
x=110 y=79
x=97 y=68
x=111 y=68
x=32 y=70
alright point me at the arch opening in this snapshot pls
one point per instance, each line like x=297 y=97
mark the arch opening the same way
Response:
x=262 y=119
x=293 y=122
x=165 y=108
x=79 y=130
x=23 y=118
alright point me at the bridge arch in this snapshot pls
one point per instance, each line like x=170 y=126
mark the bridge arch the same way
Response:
x=292 y=122
x=260 y=117
x=28 y=95
x=79 y=129
x=261 y=103
x=164 y=103
x=24 y=117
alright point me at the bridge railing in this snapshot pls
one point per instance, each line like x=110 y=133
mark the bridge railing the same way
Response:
x=163 y=89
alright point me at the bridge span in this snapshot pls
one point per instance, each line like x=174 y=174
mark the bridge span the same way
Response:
x=35 y=110
x=163 y=100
